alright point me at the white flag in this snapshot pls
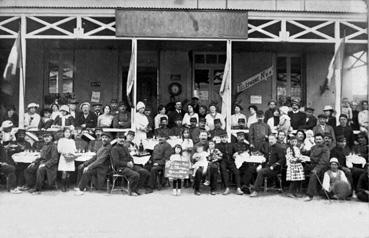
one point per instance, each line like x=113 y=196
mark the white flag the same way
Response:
x=225 y=89
x=132 y=68
x=13 y=60
x=336 y=61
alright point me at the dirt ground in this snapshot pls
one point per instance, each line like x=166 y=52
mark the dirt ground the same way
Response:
x=160 y=214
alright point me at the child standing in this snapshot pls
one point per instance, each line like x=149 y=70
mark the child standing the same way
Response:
x=67 y=149
x=213 y=158
x=295 y=170
x=187 y=143
x=346 y=109
x=178 y=169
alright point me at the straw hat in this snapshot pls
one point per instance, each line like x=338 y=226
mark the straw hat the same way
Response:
x=140 y=105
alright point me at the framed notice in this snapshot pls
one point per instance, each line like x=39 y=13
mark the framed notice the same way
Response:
x=256 y=99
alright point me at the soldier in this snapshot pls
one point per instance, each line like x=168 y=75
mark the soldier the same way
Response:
x=194 y=131
x=122 y=119
x=217 y=128
x=123 y=163
x=259 y=131
x=163 y=130
x=97 y=166
x=227 y=163
x=177 y=130
x=46 y=165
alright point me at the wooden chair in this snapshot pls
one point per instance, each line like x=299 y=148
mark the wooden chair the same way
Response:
x=115 y=176
x=279 y=179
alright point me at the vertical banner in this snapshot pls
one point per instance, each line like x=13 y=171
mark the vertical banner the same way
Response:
x=132 y=81
x=226 y=89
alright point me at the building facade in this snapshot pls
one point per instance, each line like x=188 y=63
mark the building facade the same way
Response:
x=281 y=49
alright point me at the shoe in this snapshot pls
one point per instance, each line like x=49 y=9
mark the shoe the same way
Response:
x=239 y=191
x=133 y=194
x=174 y=192
x=308 y=199
x=24 y=188
x=148 y=191
x=290 y=195
x=31 y=190
x=197 y=193
x=36 y=192
x=179 y=192
x=254 y=194
x=79 y=193
x=207 y=183
x=15 y=191
x=245 y=190
x=226 y=191
x=213 y=193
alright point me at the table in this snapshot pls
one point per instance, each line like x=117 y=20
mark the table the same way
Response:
x=239 y=159
x=83 y=157
x=25 y=157
x=352 y=159
x=141 y=160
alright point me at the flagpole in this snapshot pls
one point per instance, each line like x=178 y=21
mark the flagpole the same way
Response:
x=22 y=71
x=133 y=111
x=229 y=96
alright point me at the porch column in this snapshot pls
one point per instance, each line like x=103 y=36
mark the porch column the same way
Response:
x=133 y=71
x=22 y=71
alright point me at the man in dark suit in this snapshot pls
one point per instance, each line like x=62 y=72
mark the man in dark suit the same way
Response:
x=311 y=120
x=298 y=118
x=177 y=113
x=86 y=118
x=275 y=157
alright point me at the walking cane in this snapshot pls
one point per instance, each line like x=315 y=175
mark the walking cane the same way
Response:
x=325 y=192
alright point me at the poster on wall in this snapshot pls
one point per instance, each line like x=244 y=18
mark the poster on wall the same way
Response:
x=95 y=96
x=256 y=99
x=257 y=78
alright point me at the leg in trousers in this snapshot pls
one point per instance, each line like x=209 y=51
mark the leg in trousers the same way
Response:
x=248 y=172
x=198 y=179
x=144 y=176
x=213 y=170
x=30 y=175
x=362 y=196
x=40 y=178
x=101 y=172
x=86 y=178
x=9 y=171
x=224 y=173
x=232 y=167
x=154 y=174
x=133 y=178
x=264 y=172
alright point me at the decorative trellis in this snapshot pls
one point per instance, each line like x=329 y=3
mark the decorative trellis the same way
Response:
x=260 y=29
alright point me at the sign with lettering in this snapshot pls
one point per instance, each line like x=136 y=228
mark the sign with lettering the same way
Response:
x=181 y=23
x=264 y=75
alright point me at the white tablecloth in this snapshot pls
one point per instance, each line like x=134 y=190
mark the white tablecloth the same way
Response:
x=245 y=157
x=25 y=157
x=82 y=157
x=141 y=160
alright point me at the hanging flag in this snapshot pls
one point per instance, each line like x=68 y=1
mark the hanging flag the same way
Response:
x=225 y=89
x=13 y=60
x=336 y=61
x=132 y=68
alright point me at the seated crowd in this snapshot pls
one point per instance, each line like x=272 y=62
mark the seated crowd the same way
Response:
x=300 y=150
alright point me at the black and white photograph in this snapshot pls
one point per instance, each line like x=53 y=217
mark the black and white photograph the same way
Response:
x=184 y=118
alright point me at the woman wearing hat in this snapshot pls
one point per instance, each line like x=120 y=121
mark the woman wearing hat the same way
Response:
x=331 y=120
x=141 y=123
x=64 y=119
x=335 y=182
x=32 y=118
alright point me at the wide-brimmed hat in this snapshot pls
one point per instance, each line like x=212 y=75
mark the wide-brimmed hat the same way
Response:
x=328 y=108
x=32 y=104
x=7 y=124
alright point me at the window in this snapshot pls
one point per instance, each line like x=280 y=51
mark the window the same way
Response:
x=290 y=84
x=60 y=72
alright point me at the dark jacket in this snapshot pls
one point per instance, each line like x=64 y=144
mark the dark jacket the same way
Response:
x=298 y=119
x=257 y=134
x=340 y=154
x=319 y=156
x=162 y=132
x=217 y=132
x=161 y=153
x=120 y=156
x=49 y=156
x=101 y=158
x=3 y=155
x=90 y=120
x=173 y=115
x=275 y=156
x=347 y=133
x=176 y=131
x=194 y=134
x=68 y=121
x=363 y=182
x=122 y=120
x=268 y=114
x=45 y=125
x=228 y=150
x=310 y=123
x=332 y=121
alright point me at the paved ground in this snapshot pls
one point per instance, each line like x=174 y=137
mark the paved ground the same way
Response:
x=57 y=214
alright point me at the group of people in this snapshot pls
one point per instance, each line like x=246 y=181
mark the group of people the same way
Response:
x=296 y=145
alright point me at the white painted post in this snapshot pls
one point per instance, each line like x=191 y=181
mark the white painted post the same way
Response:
x=22 y=71
x=133 y=110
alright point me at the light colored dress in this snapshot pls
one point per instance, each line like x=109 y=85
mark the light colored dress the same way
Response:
x=157 y=120
x=201 y=161
x=252 y=119
x=187 y=144
x=31 y=121
x=187 y=119
x=210 y=121
x=141 y=123
x=66 y=146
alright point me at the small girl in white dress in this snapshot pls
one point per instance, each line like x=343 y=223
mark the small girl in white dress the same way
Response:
x=67 y=149
x=200 y=159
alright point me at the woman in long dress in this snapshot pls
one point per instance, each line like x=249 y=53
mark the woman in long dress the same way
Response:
x=67 y=149
x=141 y=123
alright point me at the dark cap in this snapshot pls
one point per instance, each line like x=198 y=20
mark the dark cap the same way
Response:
x=193 y=119
x=241 y=120
x=217 y=120
x=21 y=131
x=108 y=134
x=295 y=103
x=327 y=135
x=121 y=134
x=202 y=120
x=98 y=129
x=309 y=109
x=240 y=133
x=223 y=134
x=341 y=138
x=163 y=119
x=259 y=113
x=132 y=133
x=97 y=104
x=344 y=116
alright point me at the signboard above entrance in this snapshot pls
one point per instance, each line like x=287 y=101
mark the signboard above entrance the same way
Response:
x=182 y=23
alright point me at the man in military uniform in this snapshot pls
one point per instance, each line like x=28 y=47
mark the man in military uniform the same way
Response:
x=217 y=129
x=46 y=165
x=163 y=130
x=177 y=130
x=123 y=163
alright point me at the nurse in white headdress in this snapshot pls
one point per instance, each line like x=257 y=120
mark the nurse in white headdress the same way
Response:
x=141 y=123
